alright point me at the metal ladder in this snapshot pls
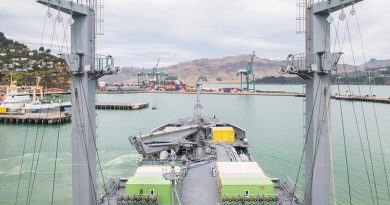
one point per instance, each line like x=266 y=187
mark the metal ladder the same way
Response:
x=301 y=6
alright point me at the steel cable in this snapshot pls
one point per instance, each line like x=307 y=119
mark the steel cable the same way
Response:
x=373 y=105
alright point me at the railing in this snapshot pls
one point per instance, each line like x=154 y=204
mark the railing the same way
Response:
x=103 y=62
x=250 y=199
x=296 y=62
x=139 y=199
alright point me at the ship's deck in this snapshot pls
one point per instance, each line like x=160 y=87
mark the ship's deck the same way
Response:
x=199 y=182
x=192 y=190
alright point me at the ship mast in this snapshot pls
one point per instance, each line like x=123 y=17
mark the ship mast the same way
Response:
x=319 y=64
x=85 y=68
x=198 y=107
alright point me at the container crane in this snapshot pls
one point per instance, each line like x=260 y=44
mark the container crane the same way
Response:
x=154 y=75
x=162 y=77
x=141 y=78
x=249 y=75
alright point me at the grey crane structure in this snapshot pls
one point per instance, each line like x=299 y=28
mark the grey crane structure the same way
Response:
x=85 y=68
x=316 y=66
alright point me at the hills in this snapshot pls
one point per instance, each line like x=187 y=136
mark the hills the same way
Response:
x=223 y=70
x=27 y=65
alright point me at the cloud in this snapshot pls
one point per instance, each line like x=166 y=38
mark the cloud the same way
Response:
x=138 y=32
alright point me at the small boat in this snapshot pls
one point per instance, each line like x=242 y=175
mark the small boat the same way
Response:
x=154 y=108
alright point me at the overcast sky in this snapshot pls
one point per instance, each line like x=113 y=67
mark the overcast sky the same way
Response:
x=138 y=32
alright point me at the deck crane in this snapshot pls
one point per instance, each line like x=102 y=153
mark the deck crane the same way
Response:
x=249 y=75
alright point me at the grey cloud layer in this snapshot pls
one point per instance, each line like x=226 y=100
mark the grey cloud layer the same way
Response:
x=138 y=32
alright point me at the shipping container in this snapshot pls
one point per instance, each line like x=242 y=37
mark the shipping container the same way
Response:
x=222 y=134
x=246 y=186
x=152 y=186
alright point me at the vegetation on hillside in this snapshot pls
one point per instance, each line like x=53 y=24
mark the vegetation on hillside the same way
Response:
x=27 y=65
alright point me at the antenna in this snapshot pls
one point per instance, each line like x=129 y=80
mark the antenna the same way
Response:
x=198 y=107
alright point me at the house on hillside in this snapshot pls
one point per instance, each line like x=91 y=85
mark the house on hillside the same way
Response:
x=49 y=64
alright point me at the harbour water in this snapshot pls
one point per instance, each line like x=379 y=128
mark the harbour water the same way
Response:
x=274 y=127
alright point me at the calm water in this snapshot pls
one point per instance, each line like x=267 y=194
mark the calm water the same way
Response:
x=273 y=124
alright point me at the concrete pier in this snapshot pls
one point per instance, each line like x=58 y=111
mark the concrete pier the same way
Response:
x=36 y=118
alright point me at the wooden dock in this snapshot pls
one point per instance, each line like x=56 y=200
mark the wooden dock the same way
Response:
x=121 y=106
x=36 y=118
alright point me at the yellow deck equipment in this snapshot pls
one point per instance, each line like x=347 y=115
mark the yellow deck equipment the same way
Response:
x=222 y=134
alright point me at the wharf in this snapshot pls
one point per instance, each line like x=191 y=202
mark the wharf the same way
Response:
x=121 y=106
x=258 y=93
x=36 y=118
x=373 y=99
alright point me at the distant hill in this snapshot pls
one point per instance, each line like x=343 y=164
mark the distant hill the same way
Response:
x=223 y=70
x=5 y=42
x=216 y=70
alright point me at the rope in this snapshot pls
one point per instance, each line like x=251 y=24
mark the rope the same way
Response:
x=345 y=145
x=55 y=162
x=332 y=167
x=94 y=141
x=81 y=134
x=39 y=154
x=308 y=189
x=21 y=163
x=32 y=161
x=354 y=111
x=373 y=105
x=305 y=142
x=364 y=115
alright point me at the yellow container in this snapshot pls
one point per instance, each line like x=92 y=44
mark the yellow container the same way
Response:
x=222 y=134
x=3 y=110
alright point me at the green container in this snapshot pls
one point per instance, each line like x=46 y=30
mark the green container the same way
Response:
x=145 y=185
x=246 y=185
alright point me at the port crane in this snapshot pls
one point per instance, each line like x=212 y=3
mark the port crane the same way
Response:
x=162 y=77
x=141 y=78
x=154 y=75
x=249 y=75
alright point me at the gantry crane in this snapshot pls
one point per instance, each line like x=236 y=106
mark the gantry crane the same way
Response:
x=154 y=75
x=249 y=75
x=141 y=77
